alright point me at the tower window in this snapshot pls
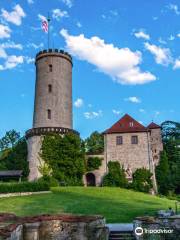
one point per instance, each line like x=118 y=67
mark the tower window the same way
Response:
x=119 y=140
x=49 y=88
x=49 y=114
x=134 y=139
x=50 y=67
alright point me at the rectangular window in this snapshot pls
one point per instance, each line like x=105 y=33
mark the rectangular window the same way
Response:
x=50 y=67
x=119 y=140
x=49 y=114
x=134 y=139
x=49 y=88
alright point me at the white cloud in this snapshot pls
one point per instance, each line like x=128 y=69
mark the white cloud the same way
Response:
x=133 y=99
x=35 y=46
x=171 y=38
x=91 y=115
x=11 y=62
x=121 y=64
x=30 y=1
x=174 y=8
x=160 y=40
x=116 y=112
x=162 y=55
x=78 y=24
x=11 y=44
x=58 y=14
x=176 y=64
x=3 y=53
x=5 y=31
x=178 y=35
x=141 y=110
x=29 y=60
x=68 y=3
x=142 y=34
x=79 y=103
x=15 y=16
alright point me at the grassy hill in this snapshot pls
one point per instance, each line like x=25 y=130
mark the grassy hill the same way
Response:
x=116 y=204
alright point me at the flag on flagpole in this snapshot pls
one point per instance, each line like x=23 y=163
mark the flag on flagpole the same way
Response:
x=45 y=26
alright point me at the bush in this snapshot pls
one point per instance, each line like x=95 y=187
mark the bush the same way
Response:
x=24 y=187
x=142 y=180
x=52 y=182
x=93 y=163
x=116 y=176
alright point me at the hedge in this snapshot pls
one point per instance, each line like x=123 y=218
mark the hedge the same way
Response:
x=24 y=187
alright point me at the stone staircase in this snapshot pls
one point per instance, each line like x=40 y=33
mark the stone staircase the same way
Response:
x=121 y=235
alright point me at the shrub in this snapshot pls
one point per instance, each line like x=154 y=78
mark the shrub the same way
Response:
x=93 y=163
x=24 y=187
x=142 y=180
x=116 y=176
x=52 y=182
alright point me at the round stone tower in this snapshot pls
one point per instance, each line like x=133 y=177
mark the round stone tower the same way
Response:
x=53 y=102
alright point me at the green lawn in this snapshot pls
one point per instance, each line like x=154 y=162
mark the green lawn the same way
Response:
x=117 y=205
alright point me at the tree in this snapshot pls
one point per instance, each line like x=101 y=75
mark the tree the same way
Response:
x=142 y=181
x=162 y=174
x=116 y=176
x=95 y=143
x=9 y=140
x=65 y=156
x=171 y=140
x=16 y=158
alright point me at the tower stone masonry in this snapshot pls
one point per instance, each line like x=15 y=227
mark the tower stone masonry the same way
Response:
x=53 y=102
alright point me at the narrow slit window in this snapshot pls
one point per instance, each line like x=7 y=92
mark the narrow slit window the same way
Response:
x=49 y=88
x=49 y=114
x=50 y=67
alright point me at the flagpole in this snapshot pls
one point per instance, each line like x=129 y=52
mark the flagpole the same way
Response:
x=48 y=30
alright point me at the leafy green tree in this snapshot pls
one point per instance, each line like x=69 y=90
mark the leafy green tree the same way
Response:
x=15 y=158
x=142 y=181
x=65 y=156
x=171 y=140
x=9 y=140
x=116 y=175
x=162 y=174
x=95 y=143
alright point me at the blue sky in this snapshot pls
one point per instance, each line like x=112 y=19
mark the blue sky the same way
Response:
x=126 y=58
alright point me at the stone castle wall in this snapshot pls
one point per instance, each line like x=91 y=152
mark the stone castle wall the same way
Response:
x=156 y=145
x=34 y=147
x=129 y=155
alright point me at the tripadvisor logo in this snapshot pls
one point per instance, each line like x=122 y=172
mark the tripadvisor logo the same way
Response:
x=139 y=231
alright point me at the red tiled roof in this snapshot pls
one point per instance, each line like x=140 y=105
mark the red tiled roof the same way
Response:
x=126 y=125
x=153 y=126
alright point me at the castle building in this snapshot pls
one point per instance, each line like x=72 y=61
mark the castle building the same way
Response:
x=53 y=103
x=132 y=145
